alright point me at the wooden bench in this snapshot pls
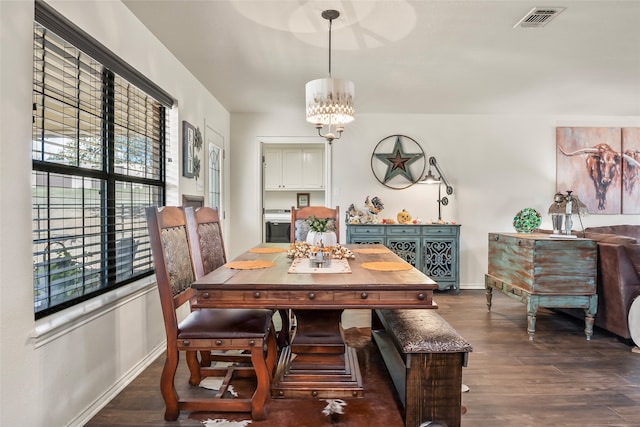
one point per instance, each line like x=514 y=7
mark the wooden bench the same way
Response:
x=424 y=356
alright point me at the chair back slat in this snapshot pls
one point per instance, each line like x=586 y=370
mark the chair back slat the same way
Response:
x=205 y=237
x=298 y=216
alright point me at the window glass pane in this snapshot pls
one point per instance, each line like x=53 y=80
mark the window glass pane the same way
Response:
x=67 y=237
x=133 y=253
x=67 y=104
x=215 y=171
x=136 y=144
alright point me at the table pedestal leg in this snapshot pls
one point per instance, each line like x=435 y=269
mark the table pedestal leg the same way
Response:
x=318 y=363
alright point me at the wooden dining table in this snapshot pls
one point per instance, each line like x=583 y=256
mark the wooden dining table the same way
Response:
x=317 y=362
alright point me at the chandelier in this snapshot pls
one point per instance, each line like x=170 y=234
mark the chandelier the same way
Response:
x=330 y=101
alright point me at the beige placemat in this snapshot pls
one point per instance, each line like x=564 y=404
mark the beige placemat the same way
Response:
x=302 y=265
x=249 y=264
x=371 y=250
x=386 y=266
x=266 y=250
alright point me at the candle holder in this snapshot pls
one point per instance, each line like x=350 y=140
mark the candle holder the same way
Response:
x=320 y=257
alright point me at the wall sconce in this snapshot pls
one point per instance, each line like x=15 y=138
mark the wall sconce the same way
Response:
x=441 y=179
x=562 y=209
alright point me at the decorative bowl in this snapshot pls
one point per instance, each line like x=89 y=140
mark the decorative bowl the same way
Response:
x=527 y=220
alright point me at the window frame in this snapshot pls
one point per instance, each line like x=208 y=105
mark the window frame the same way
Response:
x=114 y=73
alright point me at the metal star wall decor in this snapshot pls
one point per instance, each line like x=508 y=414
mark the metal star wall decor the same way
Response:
x=398 y=163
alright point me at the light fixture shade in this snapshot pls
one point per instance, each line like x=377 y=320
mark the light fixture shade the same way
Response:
x=577 y=207
x=330 y=101
x=430 y=179
x=559 y=205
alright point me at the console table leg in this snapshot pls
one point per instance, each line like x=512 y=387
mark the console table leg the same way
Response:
x=532 y=308
x=590 y=314
x=489 y=295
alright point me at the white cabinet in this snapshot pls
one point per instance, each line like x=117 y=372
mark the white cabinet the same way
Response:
x=294 y=169
x=313 y=168
x=273 y=169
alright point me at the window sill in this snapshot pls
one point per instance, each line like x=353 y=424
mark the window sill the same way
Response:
x=59 y=324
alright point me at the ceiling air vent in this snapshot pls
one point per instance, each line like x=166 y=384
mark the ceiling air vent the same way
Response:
x=539 y=17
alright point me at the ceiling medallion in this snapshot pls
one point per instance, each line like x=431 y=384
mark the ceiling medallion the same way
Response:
x=398 y=162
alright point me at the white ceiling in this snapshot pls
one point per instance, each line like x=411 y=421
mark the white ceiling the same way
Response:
x=408 y=56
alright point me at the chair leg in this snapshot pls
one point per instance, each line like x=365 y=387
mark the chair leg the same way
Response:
x=167 y=387
x=260 y=396
x=194 y=368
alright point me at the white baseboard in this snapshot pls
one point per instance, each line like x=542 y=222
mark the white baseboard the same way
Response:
x=83 y=417
x=472 y=286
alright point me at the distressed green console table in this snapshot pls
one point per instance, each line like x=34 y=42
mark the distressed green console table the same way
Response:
x=542 y=271
x=431 y=248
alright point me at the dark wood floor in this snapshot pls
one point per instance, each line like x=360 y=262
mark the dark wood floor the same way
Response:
x=559 y=379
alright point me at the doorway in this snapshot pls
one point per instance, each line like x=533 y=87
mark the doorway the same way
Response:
x=294 y=170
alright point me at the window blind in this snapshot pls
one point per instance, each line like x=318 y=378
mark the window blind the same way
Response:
x=51 y=19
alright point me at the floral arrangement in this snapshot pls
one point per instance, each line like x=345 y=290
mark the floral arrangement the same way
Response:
x=320 y=225
x=305 y=250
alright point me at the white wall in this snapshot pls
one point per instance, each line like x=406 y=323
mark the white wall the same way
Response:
x=57 y=371
x=496 y=164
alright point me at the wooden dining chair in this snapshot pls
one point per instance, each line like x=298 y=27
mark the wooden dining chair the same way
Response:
x=298 y=216
x=204 y=330
x=205 y=238
x=207 y=247
x=299 y=233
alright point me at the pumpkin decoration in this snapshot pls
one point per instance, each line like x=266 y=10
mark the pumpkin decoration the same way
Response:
x=404 y=217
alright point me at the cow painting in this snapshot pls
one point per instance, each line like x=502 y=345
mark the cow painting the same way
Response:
x=589 y=162
x=601 y=165
x=631 y=170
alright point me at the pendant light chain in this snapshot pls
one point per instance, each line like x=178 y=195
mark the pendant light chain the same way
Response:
x=330 y=124
x=330 y=22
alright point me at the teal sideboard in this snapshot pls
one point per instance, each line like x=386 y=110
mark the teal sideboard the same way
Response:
x=431 y=248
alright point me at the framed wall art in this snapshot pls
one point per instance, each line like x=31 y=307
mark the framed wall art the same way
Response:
x=188 y=139
x=631 y=170
x=302 y=200
x=601 y=165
